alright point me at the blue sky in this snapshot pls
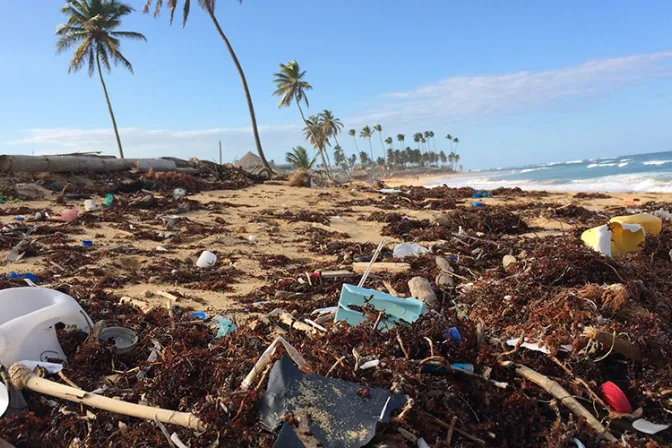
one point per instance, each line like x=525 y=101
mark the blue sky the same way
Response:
x=517 y=81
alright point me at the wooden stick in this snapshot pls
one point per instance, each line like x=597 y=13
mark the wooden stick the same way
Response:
x=449 y=436
x=563 y=396
x=620 y=346
x=445 y=425
x=23 y=378
x=383 y=266
x=167 y=295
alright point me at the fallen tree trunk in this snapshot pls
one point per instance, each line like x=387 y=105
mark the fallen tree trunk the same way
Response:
x=80 y=164
x=23 y=378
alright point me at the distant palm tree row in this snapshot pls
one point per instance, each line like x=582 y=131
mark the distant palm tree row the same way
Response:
x=92 y=27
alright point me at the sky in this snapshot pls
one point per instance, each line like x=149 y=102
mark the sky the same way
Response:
x=517 y=81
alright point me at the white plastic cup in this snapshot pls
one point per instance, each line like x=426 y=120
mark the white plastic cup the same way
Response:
x=206 y=260
x=252 y=238
x=89 y=205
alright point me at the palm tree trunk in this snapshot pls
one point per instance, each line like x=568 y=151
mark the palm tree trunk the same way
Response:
x=109 y=107
x=354 y=137
x=248 y=96
x=320 y=150
x=371 y=149
x=382 y=146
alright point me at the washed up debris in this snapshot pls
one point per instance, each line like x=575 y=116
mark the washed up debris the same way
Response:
x=647 y=427
x=393 y=309
x=508 y=260
x=206 y=260
x=376 y=268
x=389 y=191
x=615 y=398
x=25 y=275
x=266 y=357
x=622 y=234
x=404 y=250
x=330 y=411
x=225 y=326
x=27 y=318
x=422 y=290
x=90 y=205
x=66 y=215
x=123 y=339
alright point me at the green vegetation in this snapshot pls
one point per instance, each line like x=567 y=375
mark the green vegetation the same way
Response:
x=299 y=158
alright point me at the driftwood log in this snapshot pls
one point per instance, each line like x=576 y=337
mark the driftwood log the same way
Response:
x=393 y=268
x=24 y=378
x=80 y=164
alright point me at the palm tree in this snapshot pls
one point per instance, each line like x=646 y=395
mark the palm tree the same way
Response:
x=339 y=156
x=92 y=26
x=450 y=139
x=331 y=124
x=363 y=158
x=367 y=133
x=457 y=142
x=457 y=159
x=316 y=134
x=416 y=138
x=442 y=157
x=389 y=141
x=451 y=159
x=209 y=7
x=427 y=135
x=379 y=129
x=431 y=136
x=291 y=87
x=352 y=133
x=400 y=139
x=299 y=159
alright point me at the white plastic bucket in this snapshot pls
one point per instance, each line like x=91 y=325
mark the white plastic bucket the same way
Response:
x=206 y=260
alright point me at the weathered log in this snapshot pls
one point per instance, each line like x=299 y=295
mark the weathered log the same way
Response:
x=79 y=164
x=393 y=268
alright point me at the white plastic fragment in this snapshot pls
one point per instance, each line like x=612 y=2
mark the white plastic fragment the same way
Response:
x=647 y=427
x=409 y=250
x=370 y=364
x=536 y=347
x=206 y=260
x=421 y=443
x=52 y=368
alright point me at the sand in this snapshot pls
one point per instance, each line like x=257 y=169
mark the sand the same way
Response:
x=273 y=236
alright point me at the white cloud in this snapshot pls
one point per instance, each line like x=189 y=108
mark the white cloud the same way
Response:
x=465 y=98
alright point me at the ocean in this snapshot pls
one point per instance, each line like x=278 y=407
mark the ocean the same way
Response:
x=629 y=173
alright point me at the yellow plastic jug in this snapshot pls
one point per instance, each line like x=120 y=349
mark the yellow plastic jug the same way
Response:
x=652 y=224
x=614 y=238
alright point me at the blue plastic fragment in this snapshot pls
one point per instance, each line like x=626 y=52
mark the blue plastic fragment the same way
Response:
x=578 y=443
x=477 y=204
x=20 y=218
x=453 y=334
x=396 y=310
x=226 y=326
x=198 y=315
x=463 y=366
x=87 y=243
x=28 y=275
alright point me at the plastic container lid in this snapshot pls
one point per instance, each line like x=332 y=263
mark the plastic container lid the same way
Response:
x=615 y=398
x=124 y=339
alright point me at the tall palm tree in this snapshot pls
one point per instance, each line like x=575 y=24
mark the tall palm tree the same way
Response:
x=400 y=139
x=451 y=159
x=416 y=138
x=457 y=142
x=331 y=124
x=291 y=87
x=209 y=7
x=352 y=133
x=457 y=159
x=92 y=27
x=427 y=136
x=389 y=141
x=299 y=159
x=450 y=140
x=431 y=136
x=379 y=129
x=366 y=133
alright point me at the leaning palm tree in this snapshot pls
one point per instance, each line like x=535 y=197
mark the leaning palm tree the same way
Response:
x=367 y=133
x=379 y=129
x=92 y=26
x=209 y=7
x=299 y=159
x=291 y=87
x=352 y=133
x=315 y=133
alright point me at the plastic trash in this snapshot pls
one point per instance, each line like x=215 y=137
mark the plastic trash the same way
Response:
x=87 y=243
x=27 y=319
x=370 y=364
x=662 y=213
x=123 y=339
x=28 y=275
x=421 y=443
x=647 y=427
x=614 y=238
x=453 y=334
x=652 y=224
x=20 y=218
x=389 y=191
x=252 y=238
x=225 y=326
x=4 y=399
x=109 y=200
x=90 y=205
x=179 y=192
x=52 y=368
x=396 y=310
x=477 y=204
x=67 y=215
x=615 y=398
x=578 y=443
x=409 y=250
x=206 y=260
x=469 y=368
x=198 y=315
x=346 y=418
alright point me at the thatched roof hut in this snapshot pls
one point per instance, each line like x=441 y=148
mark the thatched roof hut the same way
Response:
x=251 y=163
